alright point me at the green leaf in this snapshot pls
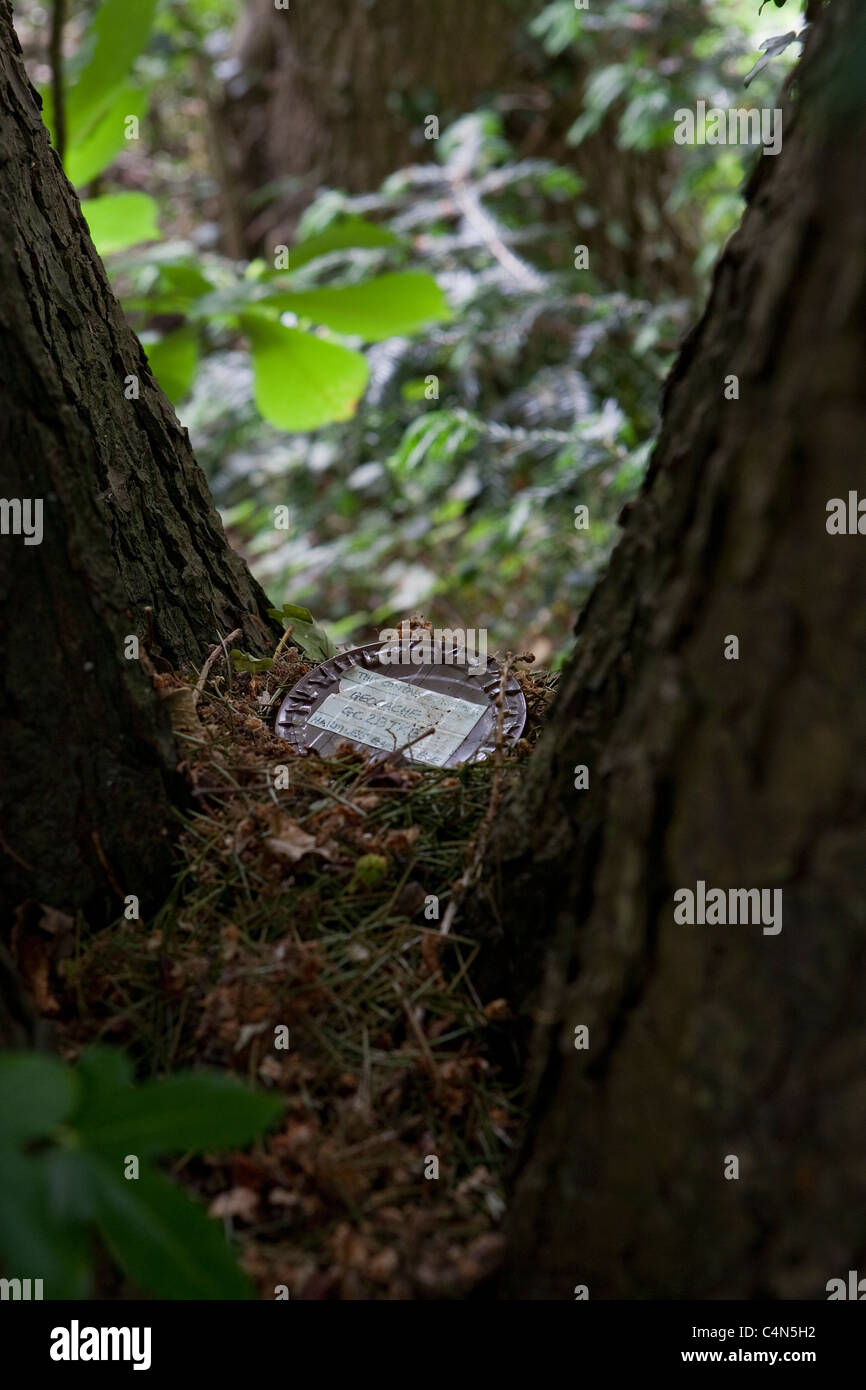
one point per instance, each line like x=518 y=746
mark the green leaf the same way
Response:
x=49 y=1200
x=344 y=233
x=35 y=1241
x=96 y=147
x=189 y=1111
x=437 y=434
x=291 y=613
x=69 y=1183
x=163 y=1240
x=119 y=220
x=120 y=32
x=301 y=381
x=312 y=639
x=184 y=279
x=36 y=1095
x=103 y=1073
x=314 y=642
x=250 y=665
x=387 y=306
x=179 y=288
x=557 y=26
x=174 y=360
x=602 y=90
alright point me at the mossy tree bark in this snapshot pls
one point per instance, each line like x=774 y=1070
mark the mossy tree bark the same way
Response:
x=128 y=526
x=708 y=1041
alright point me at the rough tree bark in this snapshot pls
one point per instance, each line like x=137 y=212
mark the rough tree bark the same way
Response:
x=131 y=545
x=709 y=1041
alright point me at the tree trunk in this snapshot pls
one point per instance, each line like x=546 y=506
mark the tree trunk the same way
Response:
x=131 y=545
x=336 y=95
x=709 y=1042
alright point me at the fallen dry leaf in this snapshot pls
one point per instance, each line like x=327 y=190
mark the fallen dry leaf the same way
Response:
x=241 y=1202
x=41 y=938
x=290 y=841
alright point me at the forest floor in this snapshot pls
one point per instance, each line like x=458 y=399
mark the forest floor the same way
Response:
x=310 y=909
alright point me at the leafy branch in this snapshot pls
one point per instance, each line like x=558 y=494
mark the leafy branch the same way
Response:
x=76 y=1160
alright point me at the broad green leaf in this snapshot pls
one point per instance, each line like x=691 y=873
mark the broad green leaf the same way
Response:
x=188 y=1111
x=94 y=150
x=312 y=639
x=174 y=360
x=301 y=381
x=104 y=1072
x=291 y=613
x=185 y=279
x=385 y=307
x=163 y=1239
x=251 y=665
x=34 y=1241
x=344 y=233
x=120 y=32
x=69 y=1182
x=119 y=220
x=36 y=1095
x=179 y=289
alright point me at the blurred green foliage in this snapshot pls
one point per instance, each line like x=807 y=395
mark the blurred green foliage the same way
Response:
x=453 y=489
x=67 y=1138
x=432 y=386
x=302 y=380
x=652 y=57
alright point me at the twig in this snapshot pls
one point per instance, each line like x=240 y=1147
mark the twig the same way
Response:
x=13 y=854
x=376 y=764
x=475 y=214
x=421 y=1036
x=282 y=642
x=103 y=859
x=205 y=670
x=395 y=752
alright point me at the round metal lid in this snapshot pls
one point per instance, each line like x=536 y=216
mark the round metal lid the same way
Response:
x=382 y=706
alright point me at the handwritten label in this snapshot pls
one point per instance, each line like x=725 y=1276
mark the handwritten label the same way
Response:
x=385 y=713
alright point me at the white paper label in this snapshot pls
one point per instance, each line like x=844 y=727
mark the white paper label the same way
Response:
x=387 y=713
